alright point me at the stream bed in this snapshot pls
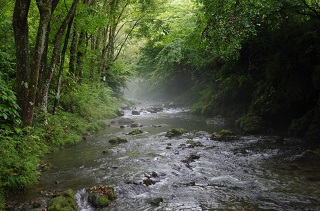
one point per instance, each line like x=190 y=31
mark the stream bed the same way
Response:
x=155 y=172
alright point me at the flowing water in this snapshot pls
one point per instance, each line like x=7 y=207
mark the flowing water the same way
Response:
x=251 y=173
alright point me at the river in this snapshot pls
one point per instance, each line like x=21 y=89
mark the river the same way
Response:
x=250 y=173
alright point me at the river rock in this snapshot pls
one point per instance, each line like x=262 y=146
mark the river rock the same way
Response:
x=124 y=120
x=125 y=107
x=156 y=201
x=118 y=140
x=101 y=195
x=173 y=132
x=224 y=135
x=135 y=132
x=190 y=159
x=120 y=112
x=153 y=109
x=65 y=201
x=149 y=182
x=133 y=125
x=135 y=112
x=215 y=121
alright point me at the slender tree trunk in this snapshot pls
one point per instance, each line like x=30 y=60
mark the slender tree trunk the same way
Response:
x=42 y=71
x=21 y=35
x=63 y=53
x=55 y=54
x=104 y=53
x=80 y=54
x=73 y=50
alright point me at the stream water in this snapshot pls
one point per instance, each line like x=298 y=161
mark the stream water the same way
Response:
x=251 y=173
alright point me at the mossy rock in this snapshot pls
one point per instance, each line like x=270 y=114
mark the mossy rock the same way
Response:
x=101 y=195
x=63 y=202
x=250 y=124
x=173 y=132
x=311 y=155
x=195 y=143
x=118 y=140
x=135 y=132
x=224 y=135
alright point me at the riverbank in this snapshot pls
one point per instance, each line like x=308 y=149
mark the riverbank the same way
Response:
x=24 y=150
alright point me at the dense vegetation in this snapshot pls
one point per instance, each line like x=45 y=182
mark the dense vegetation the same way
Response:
x=256 y=62
x=63 y=64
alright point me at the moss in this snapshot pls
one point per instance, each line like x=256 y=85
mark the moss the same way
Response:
x=64 y=202
x=300 y=125
x=101 y=195
x=173 y=132
x=135 y=132
x=118 y=140
x=250 y=123
x=224 y=135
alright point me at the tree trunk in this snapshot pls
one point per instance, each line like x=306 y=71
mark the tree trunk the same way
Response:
x=104 y=53
x=80 y=53
x=41 y=47
x=55 y=54
x=21 y=35
x=73 y=50
x=63 y=53
x=43 y=63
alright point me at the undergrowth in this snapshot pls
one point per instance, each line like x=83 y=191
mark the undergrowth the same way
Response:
x=23 y=149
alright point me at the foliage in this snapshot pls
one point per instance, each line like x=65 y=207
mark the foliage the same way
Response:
x=90 y=102
x=117 y=76
x=20 y=153
x=9 y=115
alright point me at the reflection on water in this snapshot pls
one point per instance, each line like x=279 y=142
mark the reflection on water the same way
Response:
x=252 y=173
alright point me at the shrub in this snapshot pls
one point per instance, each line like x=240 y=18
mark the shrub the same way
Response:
x=20 y=152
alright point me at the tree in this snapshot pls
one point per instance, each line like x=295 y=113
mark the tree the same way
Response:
x=23 y=70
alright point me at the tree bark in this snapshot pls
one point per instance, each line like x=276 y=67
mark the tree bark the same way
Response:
x=21 y=35
x=80 y=54
x=63 y=53
x=55 y=54
x=73 y=50
x=40 y=50
x=43 y=63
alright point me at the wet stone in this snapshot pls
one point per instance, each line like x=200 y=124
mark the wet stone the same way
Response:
x=101 y=195
x=156 y=201
x=135 y=113
x=118 y=140
x=149 y=182
x=133 y=125
x=135 y=132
